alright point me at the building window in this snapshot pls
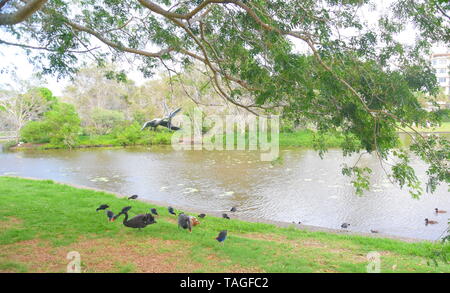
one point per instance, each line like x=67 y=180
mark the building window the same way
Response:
x=442 y=79
x=443 y=70
x=443 y=61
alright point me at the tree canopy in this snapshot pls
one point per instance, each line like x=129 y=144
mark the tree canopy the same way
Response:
x=320 y=61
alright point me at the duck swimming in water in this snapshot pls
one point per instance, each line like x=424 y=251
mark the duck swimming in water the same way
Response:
x=430 y=222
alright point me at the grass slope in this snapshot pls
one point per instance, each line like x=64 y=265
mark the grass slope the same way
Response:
x=41 y=221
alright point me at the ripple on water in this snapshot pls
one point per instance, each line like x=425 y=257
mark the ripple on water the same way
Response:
x=99 y=179
x=190 y=190
x=228 y=193
x=10 y=173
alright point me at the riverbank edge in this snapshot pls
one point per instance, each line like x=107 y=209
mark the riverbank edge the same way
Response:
x=280 y=224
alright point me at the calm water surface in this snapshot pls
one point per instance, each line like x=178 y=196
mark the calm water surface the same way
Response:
x=302 y=188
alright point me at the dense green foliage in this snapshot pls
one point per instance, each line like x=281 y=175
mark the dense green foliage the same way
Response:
x=60 y=216
x=35 y=132
x=320 y=62
x=60 y=126
x=104 y=121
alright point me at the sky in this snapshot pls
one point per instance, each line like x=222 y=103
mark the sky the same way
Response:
x=15 y=58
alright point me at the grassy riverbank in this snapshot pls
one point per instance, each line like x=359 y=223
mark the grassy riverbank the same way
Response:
x=302 y=138
x=41 y=221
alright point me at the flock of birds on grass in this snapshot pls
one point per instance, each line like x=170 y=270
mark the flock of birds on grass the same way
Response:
x=143 y=220
x=187 y=222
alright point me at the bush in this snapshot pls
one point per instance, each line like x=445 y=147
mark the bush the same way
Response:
x=64 y=124
x=104 y=121
x=129 y=135
x=35 y=132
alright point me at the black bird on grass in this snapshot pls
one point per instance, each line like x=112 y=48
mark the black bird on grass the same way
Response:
x=201 y=216
x=102 y=207
x=170 y=209
x=123 y=211
x=233 y=209
x=222 y=236
x=139 y=221
x=134 y=196
x=184 y=222
x=225 y=216
x=110 y=216
x=154 y=211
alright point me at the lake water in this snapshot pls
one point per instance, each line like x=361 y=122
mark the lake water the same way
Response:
x=302 y=188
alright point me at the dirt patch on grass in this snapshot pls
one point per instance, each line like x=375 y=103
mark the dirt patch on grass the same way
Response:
x=220 y=264
x=10 y=222
x=102 y=255
x=171 y=220
x=146 y=255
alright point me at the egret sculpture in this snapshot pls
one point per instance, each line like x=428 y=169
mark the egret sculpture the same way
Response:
x=166 y=121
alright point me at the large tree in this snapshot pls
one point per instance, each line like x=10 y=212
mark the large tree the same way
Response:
x=20 y=108
x=315 y=60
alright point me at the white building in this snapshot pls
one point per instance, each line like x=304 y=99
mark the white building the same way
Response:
x=441 y=62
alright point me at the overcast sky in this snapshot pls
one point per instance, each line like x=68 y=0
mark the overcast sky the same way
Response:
x=14 y=57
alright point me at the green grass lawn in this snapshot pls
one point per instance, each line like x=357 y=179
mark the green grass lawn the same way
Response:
x=41 y=221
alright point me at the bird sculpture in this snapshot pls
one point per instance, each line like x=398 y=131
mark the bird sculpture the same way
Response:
x=154 y=211
x=166 y=121
x=438 y=211
x=171 y=211
x=222 y=236
x=430 y=222
x=134 y=196
x=225 y=216
x=102 y=207
x=345 y=225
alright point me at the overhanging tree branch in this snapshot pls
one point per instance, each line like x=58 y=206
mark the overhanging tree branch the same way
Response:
x=22 y=13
